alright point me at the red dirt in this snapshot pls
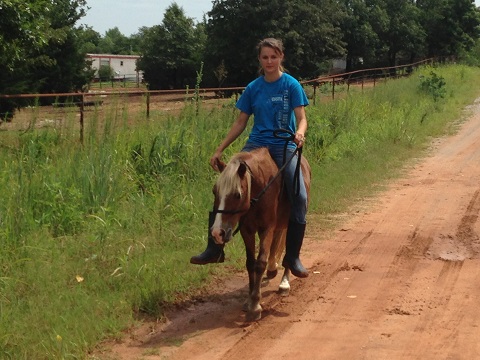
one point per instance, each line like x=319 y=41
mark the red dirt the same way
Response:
x=397 y=280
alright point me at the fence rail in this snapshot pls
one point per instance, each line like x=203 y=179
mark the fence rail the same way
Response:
x=83 y=100
x=362 y=76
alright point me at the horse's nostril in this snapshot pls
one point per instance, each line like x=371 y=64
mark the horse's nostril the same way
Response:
x=228 y=235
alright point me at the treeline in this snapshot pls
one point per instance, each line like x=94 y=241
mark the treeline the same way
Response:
x=42 y=47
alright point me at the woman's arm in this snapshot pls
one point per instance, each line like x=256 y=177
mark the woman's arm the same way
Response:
x=237 y=128
x=301 y=125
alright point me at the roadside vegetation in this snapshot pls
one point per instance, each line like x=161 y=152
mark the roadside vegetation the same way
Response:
x=97 y=236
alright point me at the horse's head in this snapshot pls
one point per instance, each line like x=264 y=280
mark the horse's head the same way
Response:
x=232 y=199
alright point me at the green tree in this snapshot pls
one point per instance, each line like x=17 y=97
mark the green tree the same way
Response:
x=472 y=57
x=309 y=29
x=114 y=42
x=170 y=52
x=23 y=26
x=41 y=50
x=63 y=68
x=360 y=27
x=24 y=29
x=403 y=36
x=89 y=40
x=451 y=26
x=314 y=37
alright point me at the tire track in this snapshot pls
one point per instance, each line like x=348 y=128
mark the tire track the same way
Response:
x=466 y=233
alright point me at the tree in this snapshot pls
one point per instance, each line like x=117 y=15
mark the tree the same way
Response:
x=314 y=37
x=41 y=49
x=170 y=52
x=114 y=42
x=403 y=34
x=309 y=30
x=64 y=68
x=360 y=28
x=451 y=26
x=89 y=40
x=24 y=28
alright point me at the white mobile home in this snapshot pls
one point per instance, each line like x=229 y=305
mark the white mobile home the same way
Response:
x=123 y=66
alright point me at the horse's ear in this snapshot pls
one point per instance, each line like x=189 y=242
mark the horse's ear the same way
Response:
x=221 y=165
x=242 y=169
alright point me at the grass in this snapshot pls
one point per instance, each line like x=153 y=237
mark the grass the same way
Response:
x=95 y=235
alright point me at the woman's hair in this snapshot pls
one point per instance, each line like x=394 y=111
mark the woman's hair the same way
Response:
x=273 y=43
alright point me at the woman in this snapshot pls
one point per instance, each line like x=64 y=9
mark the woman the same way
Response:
x=277 y=101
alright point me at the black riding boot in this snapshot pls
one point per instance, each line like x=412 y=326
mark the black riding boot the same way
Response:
x=214 y=252
x=295 y=234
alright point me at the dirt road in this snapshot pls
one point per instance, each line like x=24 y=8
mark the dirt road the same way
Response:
x=400 y=279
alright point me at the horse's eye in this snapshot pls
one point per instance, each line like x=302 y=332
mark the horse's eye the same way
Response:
x=238 y=195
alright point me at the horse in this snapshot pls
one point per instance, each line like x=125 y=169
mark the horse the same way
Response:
x=249 y=194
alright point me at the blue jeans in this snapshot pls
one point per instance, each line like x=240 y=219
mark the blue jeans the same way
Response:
x=298 y=201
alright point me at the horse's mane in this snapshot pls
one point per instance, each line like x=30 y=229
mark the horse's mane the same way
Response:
x=229 y=181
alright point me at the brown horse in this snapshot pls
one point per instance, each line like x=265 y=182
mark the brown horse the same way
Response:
x=244 y=197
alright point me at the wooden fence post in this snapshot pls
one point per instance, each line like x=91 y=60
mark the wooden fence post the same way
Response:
x=148 y=104
x=333 y=88
x=82 y=104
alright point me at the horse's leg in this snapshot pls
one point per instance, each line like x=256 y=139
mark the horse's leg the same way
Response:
x=255 y=309
x=284 y=287
x=276 y=251
x=249 y=241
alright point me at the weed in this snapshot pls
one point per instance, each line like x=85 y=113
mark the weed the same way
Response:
x=433 y=85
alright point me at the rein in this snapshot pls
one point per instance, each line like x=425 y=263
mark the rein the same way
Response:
x=288 y=136
x=296 y=183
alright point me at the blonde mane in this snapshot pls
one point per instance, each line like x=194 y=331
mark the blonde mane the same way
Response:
x=229 y=181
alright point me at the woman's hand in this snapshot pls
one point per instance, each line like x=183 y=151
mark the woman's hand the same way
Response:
x=301 y=125
x=215 y=160
x=299 y=139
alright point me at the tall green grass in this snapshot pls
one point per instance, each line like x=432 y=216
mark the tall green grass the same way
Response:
x=365 y=138
x=94 y=234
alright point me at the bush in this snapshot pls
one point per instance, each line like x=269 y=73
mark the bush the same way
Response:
x=105 y=73
x=434 y=85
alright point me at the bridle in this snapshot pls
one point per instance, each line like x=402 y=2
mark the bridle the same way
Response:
x=238 y=211
x=288 y=136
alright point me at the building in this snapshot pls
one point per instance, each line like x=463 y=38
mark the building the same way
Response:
x=338 y=66
x=124 y=66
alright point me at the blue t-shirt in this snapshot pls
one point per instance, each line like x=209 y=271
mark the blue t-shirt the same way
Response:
x=272 y=104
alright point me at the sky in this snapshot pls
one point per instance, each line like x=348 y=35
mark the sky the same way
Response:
x=129 y=16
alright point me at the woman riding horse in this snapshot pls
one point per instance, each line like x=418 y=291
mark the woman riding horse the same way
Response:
x=277 y=101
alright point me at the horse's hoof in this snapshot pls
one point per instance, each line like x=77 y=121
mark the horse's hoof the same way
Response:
x=284 y=288
x=271 y=274
x=283 y=292
x=253 y=316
